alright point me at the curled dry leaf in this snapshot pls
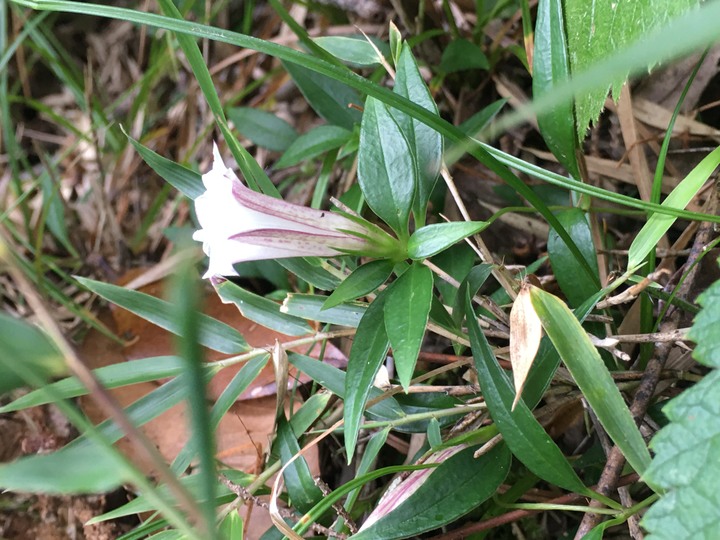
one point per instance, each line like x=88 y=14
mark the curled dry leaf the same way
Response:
x=525 y=335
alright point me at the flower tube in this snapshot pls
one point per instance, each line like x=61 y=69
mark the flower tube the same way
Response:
x=239 y=224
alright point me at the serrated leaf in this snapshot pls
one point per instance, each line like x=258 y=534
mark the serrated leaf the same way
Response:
x=704 y=331
x=597 y=30
x=315 y=142
x=369 y=350
x=685 y=464
x=551 y=67
x=592 y=377
x=407 y=307
x=263 y=128
x=386 y=169
x=658 y=224
x=449 y=491
x=432 y=239
x=214 y=334
x=685 y=461
x=426 y=144
x=363 y=280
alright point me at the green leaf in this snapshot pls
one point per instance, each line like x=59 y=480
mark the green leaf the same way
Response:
x=575 y=284
x=386 y=170
x=309 y=269
x=334 y=380
x=551 y=66
x=21 y=342
x=432 y=239
x=192 y=483
x=368 y=352
x=592 y=377
x=303 y=491
x=407 y=307
x=312 y=308
x=54 y=208
x=214 y=334
x=527 y=439
x=254 y=175
x=426 y=144
x=598 y=30
x=363 y=280
x=329 y=98
x=141 y=411
x=462 y=55
x=185 y=294
x=684 y=462
x=469 y=286
x=131 y=372
x=458 y=485
x=704 y=331
x=315 y=142
x=90 y=469
x=367 y=462
x=457 y=261
x=659 y=224
x=396 y=42
x=186 y=181
x=263 y=128
x=227 y=399
x=355 y=50
x=231 y=527
x=261 y=310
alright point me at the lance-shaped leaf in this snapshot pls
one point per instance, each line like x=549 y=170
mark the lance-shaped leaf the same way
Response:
x=587 y=368
x=658 y=224
x=368 y=352
x=426 y=144
x=407 y=309
x=386 y=168
x=551 y=66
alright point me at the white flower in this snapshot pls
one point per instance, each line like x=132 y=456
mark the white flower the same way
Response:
x=240 y=225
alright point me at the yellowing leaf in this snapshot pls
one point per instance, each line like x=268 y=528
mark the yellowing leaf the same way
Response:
x=525 y=335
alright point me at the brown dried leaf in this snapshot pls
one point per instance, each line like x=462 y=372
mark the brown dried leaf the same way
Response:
x=525 y=335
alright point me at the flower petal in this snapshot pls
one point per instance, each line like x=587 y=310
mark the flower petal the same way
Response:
x=305 y=245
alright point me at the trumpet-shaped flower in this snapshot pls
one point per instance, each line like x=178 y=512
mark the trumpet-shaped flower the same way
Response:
x=241 y=225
